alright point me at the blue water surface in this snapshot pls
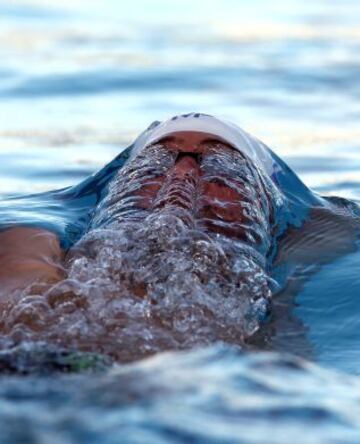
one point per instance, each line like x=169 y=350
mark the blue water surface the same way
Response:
x=78 y=81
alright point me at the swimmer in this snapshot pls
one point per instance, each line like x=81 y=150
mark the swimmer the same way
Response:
x=195 y=203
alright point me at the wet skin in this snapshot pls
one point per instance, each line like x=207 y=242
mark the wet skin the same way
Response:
x=28 y=255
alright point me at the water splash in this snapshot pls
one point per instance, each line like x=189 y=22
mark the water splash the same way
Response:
x=167 y=262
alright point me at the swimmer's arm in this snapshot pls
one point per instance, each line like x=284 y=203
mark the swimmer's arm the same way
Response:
x=28 y=255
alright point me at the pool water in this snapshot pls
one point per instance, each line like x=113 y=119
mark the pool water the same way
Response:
x=79 y=81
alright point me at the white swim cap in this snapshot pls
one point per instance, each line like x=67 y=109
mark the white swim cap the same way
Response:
x=234 y=135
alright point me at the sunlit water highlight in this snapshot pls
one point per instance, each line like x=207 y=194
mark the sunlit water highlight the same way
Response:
x=78 y=82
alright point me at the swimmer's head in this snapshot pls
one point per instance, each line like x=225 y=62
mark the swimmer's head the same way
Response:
x=207 y=172
x=289 y=194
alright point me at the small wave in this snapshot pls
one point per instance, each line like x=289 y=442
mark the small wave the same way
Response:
x=214 y=395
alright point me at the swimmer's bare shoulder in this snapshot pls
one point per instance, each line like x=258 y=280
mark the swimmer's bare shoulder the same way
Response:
x=28 y=255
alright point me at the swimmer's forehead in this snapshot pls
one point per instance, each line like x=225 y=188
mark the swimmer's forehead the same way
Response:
x=204 y=123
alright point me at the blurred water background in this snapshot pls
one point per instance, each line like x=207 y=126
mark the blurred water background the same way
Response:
x=78 y=81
